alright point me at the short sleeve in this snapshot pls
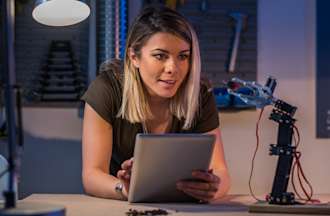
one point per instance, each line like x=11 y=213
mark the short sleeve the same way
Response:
x=208 y=118
x=103 y=95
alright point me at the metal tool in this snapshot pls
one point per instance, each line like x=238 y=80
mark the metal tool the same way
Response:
x=240 y=25
x=204 y=5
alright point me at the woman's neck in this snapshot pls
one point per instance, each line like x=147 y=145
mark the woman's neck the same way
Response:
x=159 y=106
x=158 y=101
x=161 y=121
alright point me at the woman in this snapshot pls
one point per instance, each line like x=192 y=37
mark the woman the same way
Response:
x=157 y=91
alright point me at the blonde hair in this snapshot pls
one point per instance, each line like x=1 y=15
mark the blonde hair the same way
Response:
x=185 y=103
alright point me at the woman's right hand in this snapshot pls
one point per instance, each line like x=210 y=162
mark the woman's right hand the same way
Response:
x=124 y=175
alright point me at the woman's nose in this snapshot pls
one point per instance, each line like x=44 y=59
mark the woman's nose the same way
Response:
x=171 y=66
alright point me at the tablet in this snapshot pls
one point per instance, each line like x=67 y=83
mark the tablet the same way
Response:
x=161 y=160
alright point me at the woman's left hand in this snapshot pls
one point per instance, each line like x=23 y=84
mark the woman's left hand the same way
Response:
x=204 y=186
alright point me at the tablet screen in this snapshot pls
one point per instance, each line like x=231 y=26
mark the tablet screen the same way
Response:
x=160 y=160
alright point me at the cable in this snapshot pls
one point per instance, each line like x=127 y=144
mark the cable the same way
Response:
x=300 y=171
x=297 y=168
x=254 y=156
x=296 y=142
x=292 y=180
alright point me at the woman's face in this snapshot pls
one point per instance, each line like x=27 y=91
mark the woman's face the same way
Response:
x=163 y=64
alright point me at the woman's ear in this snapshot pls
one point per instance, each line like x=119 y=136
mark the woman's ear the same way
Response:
x=133 y=57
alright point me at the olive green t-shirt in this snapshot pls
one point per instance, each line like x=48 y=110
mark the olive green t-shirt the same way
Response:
x=104 y=95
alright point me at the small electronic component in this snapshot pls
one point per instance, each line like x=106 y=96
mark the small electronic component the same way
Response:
x=134 y=212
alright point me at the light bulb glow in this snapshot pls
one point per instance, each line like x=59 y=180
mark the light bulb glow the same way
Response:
x=60 y=12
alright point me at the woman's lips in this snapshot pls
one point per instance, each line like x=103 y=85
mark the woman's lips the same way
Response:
x=167 y=83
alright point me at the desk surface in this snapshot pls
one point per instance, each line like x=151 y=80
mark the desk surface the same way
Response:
x=81 y=205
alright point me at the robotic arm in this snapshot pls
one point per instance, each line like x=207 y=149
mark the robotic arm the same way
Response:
x=256 y=94
x=261 y=96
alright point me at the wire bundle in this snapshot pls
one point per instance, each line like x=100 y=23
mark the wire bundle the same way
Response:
x=296 y=171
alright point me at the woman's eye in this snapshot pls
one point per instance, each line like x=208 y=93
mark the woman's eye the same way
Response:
x=183 y=56
x=160 y=56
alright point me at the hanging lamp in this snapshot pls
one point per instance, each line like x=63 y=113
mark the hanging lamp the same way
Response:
x=60 y=12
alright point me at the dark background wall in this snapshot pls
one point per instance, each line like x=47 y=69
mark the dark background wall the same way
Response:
x=215 y=29
x=33 y=42
x=323 y=68
x=212 y=22
x=1 y=48
x=1 y=65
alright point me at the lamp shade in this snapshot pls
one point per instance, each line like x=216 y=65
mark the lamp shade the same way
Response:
x=60 y=12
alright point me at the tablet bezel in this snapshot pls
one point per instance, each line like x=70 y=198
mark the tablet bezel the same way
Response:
x=154 y=176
